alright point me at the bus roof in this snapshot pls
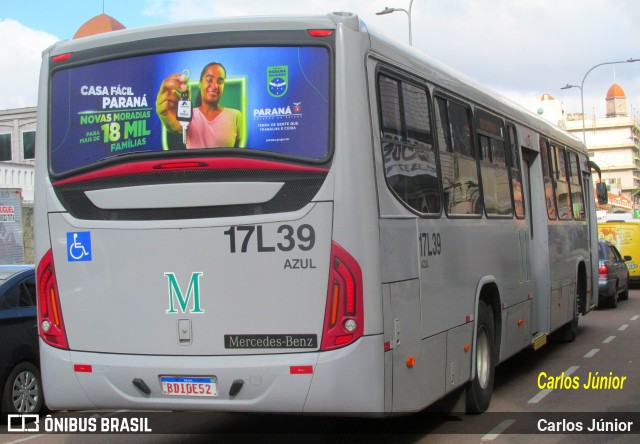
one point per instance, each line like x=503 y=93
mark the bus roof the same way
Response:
x=245 y=23
x=449 y=79
x=437 y=72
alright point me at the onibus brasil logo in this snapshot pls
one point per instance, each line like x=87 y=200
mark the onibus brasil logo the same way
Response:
x=277 y=80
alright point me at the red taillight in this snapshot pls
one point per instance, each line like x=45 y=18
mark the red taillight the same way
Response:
x=179 y=165
x=50 y=324
x=344 y=316
x=61 y=57
x=603 y=269
x=320 y=32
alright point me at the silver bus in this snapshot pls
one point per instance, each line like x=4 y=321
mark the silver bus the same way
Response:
x=294 y=215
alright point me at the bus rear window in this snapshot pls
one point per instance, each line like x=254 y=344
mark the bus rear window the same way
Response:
x=272 y=99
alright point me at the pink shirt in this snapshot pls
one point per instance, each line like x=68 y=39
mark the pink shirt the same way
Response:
x=222 y=131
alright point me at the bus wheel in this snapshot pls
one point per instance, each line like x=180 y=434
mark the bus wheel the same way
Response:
x=569 y=331
x=480 y=389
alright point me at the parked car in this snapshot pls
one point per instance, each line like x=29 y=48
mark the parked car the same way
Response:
x=613 y=274
x=20 y=382
x=623 y=234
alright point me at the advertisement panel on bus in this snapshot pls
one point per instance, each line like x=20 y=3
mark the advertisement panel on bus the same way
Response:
x=277 y=99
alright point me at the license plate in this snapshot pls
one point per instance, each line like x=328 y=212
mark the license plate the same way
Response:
x=189 y=386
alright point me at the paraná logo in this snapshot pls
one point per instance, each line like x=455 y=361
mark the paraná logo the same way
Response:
x=277 y=80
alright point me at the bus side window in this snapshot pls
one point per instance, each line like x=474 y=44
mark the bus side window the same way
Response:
x=460 y=183
x=389 y=108
x=493 y=165
x=407 y=145
x=563 y=195
x=516 y=173
x=577 y=193
x=549 y=193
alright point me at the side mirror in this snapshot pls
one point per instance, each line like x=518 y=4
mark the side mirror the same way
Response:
x=602 y=193
x=627 y=258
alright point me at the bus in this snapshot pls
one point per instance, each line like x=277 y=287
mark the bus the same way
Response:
x=376 y=233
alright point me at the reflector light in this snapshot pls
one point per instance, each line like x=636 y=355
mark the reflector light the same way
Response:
x=82 y=368
x=61 y=57
x=344 y=316
x=301 y=369
x=343 y=340
x=320 y=32
x=52 y=329
x=603 y=269
x=411 y=361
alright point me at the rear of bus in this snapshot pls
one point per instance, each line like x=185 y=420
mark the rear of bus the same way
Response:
x=207 y=279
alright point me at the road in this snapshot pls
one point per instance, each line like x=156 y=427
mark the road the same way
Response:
x=608 y=344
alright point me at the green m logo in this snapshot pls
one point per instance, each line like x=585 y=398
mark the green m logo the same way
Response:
x=176 y=293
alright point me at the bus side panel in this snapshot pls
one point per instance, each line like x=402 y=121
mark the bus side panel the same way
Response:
x=518 y=328
x=350 y=379
x=458 y=368
x=536 y=213
x=410 y=368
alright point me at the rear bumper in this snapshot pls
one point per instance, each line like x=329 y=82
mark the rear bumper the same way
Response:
x=342 y=381
x=606 y=289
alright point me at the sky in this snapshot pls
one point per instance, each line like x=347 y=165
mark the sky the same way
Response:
x=519 y=48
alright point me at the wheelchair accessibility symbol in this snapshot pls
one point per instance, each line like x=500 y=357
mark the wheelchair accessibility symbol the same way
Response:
x=79 y=246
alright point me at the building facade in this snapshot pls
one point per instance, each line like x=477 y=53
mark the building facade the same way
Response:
x=613 y=142
x=17 y=150
x=17 y=147
x=17 y=158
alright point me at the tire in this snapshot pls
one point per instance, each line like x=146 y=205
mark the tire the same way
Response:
x=479 y=390
x=625 y=294
x=613 y=303
x=22 y=392
x=569 y=331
